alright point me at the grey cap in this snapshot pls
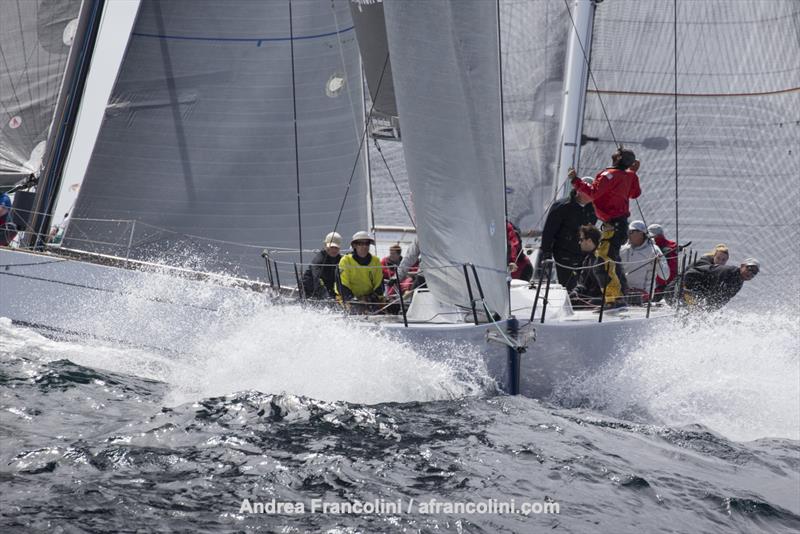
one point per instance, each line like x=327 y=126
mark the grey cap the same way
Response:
x=588 y=180
x=655 y=229
x=638 y=226
x=333 y=239
x=752 y=262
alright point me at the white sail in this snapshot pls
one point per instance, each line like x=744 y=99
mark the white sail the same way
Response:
x=445 y=62
x=35 y=40
x=232 y=127
x=738 y=121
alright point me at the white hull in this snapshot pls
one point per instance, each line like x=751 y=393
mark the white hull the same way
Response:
x=64 y=297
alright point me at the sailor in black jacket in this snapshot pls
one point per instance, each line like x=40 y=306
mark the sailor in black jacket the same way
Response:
x=319 y=280
x=560 y=233
x=712 y=286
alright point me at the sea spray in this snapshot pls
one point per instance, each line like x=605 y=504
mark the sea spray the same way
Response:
x=735 y=372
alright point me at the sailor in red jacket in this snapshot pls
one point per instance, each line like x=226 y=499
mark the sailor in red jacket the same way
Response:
x=518 y=262
x=670 y=250
x=610 y=193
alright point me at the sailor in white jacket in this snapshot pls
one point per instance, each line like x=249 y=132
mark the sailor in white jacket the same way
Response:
x=637 y=258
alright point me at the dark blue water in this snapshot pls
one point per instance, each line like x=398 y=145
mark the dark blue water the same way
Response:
x=104 y=439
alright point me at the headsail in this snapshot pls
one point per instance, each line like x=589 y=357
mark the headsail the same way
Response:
x=738 y=120
x=197 y=150
x=35 y=40
x=446 y=68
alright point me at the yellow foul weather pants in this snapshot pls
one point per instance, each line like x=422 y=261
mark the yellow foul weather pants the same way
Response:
x=614 y=288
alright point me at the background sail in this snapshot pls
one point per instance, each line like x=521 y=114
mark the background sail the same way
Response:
x=197 y=150
x=445 y=62
x=533 y=37
x=35 y=39
x=738 y=116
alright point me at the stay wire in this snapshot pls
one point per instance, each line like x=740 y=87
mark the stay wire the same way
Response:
x=599 y=98
x=591 y=74
x=675 y=105
x=396 y=187
x=361 y=143
x=296 y=145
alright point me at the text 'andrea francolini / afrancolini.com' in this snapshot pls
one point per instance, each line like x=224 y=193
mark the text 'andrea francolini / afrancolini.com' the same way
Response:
x=400 y=506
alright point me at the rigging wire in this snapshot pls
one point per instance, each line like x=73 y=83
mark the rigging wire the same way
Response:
x=675 y=104
x=599 y=99
x=361 y=143
x=396 y=187
x=591 y=74
x=296 y=145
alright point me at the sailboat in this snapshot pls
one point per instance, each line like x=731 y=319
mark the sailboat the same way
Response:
x=241 y=127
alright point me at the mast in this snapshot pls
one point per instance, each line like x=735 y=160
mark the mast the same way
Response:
x=575 y=83
x=64 y=118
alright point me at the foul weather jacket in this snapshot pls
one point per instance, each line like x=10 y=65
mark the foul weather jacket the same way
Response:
x=319 y=280
x=591 y=279
x=560 y=232
x=8 y=230
x=516 y=255
x=360 y=277
x=715 y=284
x=610 y=192
x=670 y=251
x=638 y=264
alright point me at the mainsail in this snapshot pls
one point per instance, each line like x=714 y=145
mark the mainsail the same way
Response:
x=533 y=38
x=35 y=40
x=197 y=161
x=737 y=121
x=446 y=69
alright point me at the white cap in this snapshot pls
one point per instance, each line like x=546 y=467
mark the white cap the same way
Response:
x=362 y=236
x=655 y=229
x=638 y=226
x=333 y=239
x=588 y=179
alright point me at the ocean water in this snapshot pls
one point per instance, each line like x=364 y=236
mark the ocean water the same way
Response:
x=696 y=430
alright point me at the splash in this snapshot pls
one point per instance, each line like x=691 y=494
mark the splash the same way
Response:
x=288 y=349
x=737 y=373
x=221 y=340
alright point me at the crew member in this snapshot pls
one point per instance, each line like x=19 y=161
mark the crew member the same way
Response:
x=610 y=193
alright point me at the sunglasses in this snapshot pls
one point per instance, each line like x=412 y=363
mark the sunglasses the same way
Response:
x=753 y=269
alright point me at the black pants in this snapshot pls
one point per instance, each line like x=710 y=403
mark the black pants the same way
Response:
x=566 y=270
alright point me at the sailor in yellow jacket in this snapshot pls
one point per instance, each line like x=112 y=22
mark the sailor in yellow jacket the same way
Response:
x=360 y=273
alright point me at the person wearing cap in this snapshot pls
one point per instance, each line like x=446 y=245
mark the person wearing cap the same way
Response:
x=8 y=230
x=610 y=193
x=360 y=274
x=559 y=235
x=319 y=280
x=637 y=257
x=669 y=249
x=710 y=286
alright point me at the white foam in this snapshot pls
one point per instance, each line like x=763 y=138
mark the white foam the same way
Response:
x=248 y=343
x=737 y=373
